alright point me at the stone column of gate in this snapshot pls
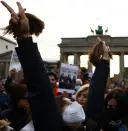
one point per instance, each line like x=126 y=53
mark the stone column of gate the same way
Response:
x=77 y=59
x=63 y=57
x=121 y=64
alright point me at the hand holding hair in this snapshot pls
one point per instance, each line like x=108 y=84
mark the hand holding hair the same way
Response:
x=100 y=51
x=22 y=24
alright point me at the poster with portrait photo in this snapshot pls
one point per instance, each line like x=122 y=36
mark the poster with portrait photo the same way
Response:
x=67 y=78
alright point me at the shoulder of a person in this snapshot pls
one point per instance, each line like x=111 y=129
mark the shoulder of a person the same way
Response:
x=6 y=112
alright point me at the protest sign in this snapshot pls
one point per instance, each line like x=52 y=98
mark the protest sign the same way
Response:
x=67 y=79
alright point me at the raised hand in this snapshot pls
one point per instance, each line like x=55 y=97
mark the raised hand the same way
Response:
x=24 y=22
x=14 y=16
x=19 y=21
x=106 y=50
x=100 y=51
x=107 y=54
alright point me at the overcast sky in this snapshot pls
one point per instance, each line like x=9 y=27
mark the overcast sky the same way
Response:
x=72 y=18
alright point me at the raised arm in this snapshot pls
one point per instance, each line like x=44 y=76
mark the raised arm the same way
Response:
x=43 y=106
x=44 y=110
x=99 y=57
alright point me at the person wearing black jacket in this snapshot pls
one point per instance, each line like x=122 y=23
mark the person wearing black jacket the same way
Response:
x=43 y=106
x=17 y=111
x=99 y=57
x=96 y=90
x=45 y=115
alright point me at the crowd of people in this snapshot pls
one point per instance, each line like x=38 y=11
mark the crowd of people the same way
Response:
x=30 y=101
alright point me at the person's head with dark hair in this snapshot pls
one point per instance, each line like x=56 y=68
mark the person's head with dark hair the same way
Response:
x=19 y=96
x=117 y=98
x=18 y=112
x=98 y=52
x=18 y=93
x=53 y=80
x=83 y=69
x=52 y=77
x=116 y=110
x=84 y=75
x=36 y=26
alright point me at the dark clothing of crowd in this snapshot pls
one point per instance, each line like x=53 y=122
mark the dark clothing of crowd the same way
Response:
x=45 y=109
x=17 y=116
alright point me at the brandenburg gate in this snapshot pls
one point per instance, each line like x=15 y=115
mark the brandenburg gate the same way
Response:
x=82 y=46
